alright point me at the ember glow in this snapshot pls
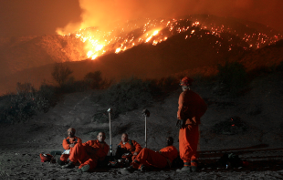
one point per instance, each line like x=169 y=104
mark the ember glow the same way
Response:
x=155 y=31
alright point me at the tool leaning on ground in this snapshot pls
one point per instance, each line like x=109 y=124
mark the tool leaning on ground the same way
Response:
x=110 y=131
x=146 y=114
x=124 y=160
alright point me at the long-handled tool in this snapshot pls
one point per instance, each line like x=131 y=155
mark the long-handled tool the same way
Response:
x=146 y=114
x=110 y=130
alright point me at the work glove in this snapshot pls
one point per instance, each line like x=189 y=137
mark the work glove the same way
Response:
x=180 y=123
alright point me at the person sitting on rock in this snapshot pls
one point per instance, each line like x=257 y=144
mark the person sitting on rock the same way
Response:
x=159 y=159
x=127 y=147
x=68 y=144
x=88 y=154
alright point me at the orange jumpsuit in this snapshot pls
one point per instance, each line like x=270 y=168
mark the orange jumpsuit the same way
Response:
x=159 y=159
x=89 y=153
x=191 y=108
x=66 y=145
x=129 y=147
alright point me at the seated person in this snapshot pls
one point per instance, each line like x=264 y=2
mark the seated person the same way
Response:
x=68 y=144
x=128 y=148
x=159 y=159
x=88 y=154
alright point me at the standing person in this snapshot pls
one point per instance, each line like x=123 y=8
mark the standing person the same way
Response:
x=191 y=108
x=68 y=144
x=88 y=154
x=158 y=159
x=127 y=146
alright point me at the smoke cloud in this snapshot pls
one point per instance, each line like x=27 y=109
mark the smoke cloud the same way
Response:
x=34 y=17
x=37 y=17
x=106 y=13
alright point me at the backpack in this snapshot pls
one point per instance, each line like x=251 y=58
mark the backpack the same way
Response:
x=230 y=160
x=177 y=162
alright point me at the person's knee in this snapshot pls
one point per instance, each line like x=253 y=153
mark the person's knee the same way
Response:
x=78 y=144
x=145 y=149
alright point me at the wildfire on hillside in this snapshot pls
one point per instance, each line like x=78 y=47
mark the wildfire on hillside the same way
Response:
x=154 y=31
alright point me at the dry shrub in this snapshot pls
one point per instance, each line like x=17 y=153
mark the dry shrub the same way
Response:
x=129 y=94
x=24 y=104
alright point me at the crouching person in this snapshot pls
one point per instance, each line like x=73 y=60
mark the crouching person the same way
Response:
x=88 y=154
x=127 y=147
x=68 y=144
x=159 y=159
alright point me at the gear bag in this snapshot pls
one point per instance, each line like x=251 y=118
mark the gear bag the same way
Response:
x=230 y=160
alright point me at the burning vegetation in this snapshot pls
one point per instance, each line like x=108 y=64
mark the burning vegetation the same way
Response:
x=154 y=31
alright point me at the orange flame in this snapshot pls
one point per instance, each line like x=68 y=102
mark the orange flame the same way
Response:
x=119 y=39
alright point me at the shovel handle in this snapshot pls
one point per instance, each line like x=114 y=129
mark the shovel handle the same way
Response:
x=110 y=130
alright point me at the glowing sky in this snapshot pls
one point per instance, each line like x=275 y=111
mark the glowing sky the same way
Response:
x=34 y=17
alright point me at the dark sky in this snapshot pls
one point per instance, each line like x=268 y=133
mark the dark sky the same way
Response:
x=37 y=17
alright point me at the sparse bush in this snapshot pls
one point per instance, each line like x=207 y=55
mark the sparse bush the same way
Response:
x=24 y=104
x=231 y=126
x=129 y=95
x=168 y=84
x=27 y=101
x=61 y=73
x=77 y=86
x=49 y=93
x=72 y=86
x=232 y=76
x=93 y=79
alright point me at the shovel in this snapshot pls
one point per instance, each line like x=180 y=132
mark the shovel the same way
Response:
x=110 y=130
x=146 y=114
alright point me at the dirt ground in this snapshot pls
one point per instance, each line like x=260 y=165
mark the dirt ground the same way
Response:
x=25 y=164
x=260 y=107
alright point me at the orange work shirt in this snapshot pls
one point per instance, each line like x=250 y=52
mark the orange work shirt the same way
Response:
x=66 y=142
x=135 y=147
x=191 y=107
x=100 y=149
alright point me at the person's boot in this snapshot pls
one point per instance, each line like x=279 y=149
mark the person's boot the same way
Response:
x=84 y=169
x=194 y=165
x=69 y=165
x=127 y=170
x=194 y=168
x=143 y=168
x=61 y=163
x=186 y=168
